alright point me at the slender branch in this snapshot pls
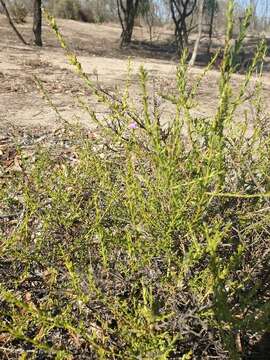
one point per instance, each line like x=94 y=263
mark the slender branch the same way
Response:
x=11 y=22
x=119 y=14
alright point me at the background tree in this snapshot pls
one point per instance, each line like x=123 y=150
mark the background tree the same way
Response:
x=148 y=9
x=211 y=7
x=127 y=11
x=181 y=10
x=37 y=22
x=197 y=42
x=254 y=5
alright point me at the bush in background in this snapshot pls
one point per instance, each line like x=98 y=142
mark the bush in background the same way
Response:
x=88 y=11
x=18 y=11
x=67 y=9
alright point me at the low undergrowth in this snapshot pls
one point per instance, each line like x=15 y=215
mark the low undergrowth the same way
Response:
x=147 y=241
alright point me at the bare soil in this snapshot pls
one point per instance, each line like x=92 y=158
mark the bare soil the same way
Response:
x=97 y=46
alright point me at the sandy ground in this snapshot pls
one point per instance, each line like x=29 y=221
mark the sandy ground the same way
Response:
x=23 y=104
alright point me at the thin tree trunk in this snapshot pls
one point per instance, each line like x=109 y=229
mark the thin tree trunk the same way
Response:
x=127 y=16
x=11 y=22
x=179 y=41
x=151 y=33
x=213 y=7
x=127 y=34
x=185 y=34
x=197 y=42
x=37 y=22
x=254 y=4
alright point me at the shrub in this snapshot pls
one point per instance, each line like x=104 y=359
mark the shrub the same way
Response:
x=95 y=11
x=146 y=242
x=18 y=11
x=67 y=9
x=75 y=10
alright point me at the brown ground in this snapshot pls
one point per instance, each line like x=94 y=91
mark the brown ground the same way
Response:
x=97 y=46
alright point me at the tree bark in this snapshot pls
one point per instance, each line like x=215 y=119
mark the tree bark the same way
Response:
x=11 y=22
x=37 y=22
x=197 y=42
x=126 y=16
x=180 y=11
x=126 y=35
x=210 y=33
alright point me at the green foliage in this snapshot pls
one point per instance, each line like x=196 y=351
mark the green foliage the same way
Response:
x=154 y=243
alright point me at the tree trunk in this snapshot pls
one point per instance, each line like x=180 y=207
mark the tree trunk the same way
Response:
x=210 y=33
x=127 y=33
x=179 y=41
x=197 y=42
x=180 y=11
x=151 y=33
x=185 y=35
x=37 y=22
x=11 y=22
x=254 y=4
x=126 y=13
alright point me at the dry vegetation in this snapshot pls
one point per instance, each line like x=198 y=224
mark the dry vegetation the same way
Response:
x=144 y=233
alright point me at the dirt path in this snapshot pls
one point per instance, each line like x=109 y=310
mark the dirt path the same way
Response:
x=22 y=104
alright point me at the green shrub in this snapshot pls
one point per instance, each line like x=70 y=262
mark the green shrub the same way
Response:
x=146 y=242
